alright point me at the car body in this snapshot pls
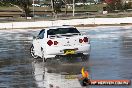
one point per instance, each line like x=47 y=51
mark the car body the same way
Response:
x=60 y=41
x=36 y=5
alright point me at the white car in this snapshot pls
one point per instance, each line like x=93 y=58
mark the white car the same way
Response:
x=36 y=5
x=60 y=41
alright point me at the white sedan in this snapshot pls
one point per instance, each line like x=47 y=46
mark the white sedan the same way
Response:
x=60 y=41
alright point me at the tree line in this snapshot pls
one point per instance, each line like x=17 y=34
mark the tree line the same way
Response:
x=24 y=5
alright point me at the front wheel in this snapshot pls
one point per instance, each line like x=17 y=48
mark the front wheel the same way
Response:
x=33 y=52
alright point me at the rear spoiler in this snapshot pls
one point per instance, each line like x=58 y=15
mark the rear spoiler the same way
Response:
x=62 y=35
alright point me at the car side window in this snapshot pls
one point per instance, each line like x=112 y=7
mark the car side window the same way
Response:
x=41 y=34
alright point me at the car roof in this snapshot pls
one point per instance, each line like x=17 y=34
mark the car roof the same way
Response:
x=56 y=27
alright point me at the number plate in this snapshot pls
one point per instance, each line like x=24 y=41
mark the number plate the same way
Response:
x=66 y=52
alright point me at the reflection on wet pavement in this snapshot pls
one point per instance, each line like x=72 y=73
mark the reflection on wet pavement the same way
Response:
x=110 y=58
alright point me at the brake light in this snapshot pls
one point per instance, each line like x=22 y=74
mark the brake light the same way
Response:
x=55 y=42
x=85 y=39
x=49 y=42
x=80 y=40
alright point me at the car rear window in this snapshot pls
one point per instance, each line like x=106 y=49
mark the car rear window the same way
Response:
x=62 y=31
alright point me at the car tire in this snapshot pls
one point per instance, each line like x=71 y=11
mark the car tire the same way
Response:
x=32 y=52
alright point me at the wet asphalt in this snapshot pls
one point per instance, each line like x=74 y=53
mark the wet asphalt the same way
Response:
x=110 y=58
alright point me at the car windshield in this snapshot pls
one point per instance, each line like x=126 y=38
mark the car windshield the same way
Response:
x=62 y=31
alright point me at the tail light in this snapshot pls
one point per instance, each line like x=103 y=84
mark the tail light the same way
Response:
x=80 y=40
x=49 y=42
x=55 y=42
x=85 y=39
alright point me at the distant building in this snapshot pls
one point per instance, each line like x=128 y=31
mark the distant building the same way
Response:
x=96 y=1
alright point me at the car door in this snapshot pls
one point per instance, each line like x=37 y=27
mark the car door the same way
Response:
x=38 y=43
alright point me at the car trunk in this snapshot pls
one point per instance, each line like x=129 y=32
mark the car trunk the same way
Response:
x=65 y=37
x=65 y=40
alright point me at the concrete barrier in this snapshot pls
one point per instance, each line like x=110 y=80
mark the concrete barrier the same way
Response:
x=85 y=21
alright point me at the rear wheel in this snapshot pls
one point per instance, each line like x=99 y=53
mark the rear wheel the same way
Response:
x=33 y=52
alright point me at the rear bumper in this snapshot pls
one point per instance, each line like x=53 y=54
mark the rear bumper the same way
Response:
x=51 y=52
